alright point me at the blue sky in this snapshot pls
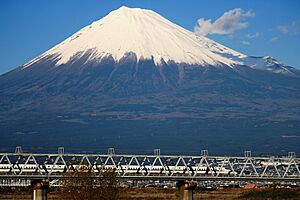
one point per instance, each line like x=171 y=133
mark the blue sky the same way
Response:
x=255 y=27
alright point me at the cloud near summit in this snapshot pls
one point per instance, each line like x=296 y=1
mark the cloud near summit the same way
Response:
x=228 y=23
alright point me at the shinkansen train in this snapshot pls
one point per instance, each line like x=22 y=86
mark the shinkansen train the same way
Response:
x=128 y=169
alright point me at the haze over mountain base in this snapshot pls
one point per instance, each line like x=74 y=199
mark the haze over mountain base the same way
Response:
x=172 y=136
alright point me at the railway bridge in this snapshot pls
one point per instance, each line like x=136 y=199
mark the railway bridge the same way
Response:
x=42 y=170
x=28 y=166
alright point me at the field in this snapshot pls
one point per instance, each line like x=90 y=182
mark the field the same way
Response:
x=159 y=193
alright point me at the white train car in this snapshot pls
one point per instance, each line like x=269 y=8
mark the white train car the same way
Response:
x=5 y=168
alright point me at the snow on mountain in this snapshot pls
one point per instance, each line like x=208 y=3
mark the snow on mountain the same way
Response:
x=220 y=49
x=151 y=36
x=270 y=64
x=267 y=63
x=143 y=32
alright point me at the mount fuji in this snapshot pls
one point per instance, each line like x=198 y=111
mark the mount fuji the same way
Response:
x=135 y=78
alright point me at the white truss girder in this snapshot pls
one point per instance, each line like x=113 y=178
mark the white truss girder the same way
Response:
x=150 y=166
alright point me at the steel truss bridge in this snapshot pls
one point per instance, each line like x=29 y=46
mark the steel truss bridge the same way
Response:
x=18 y=169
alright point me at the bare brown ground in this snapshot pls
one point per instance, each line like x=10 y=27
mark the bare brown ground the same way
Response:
x=154 y=194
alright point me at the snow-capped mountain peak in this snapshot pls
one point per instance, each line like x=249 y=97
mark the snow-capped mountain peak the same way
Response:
x=143 y=32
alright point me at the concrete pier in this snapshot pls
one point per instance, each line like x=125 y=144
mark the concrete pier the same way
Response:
x=186 y=189
x=40 y=188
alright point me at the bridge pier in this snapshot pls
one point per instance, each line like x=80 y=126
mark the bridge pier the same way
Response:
x=186 y=189
x=40 y=188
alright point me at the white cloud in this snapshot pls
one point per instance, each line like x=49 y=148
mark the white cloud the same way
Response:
x=246 y=42
x=228 y=23
x=251 y=36
x=292 y=28
x=283 y=29
x=248 y=36
x=274 y=39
